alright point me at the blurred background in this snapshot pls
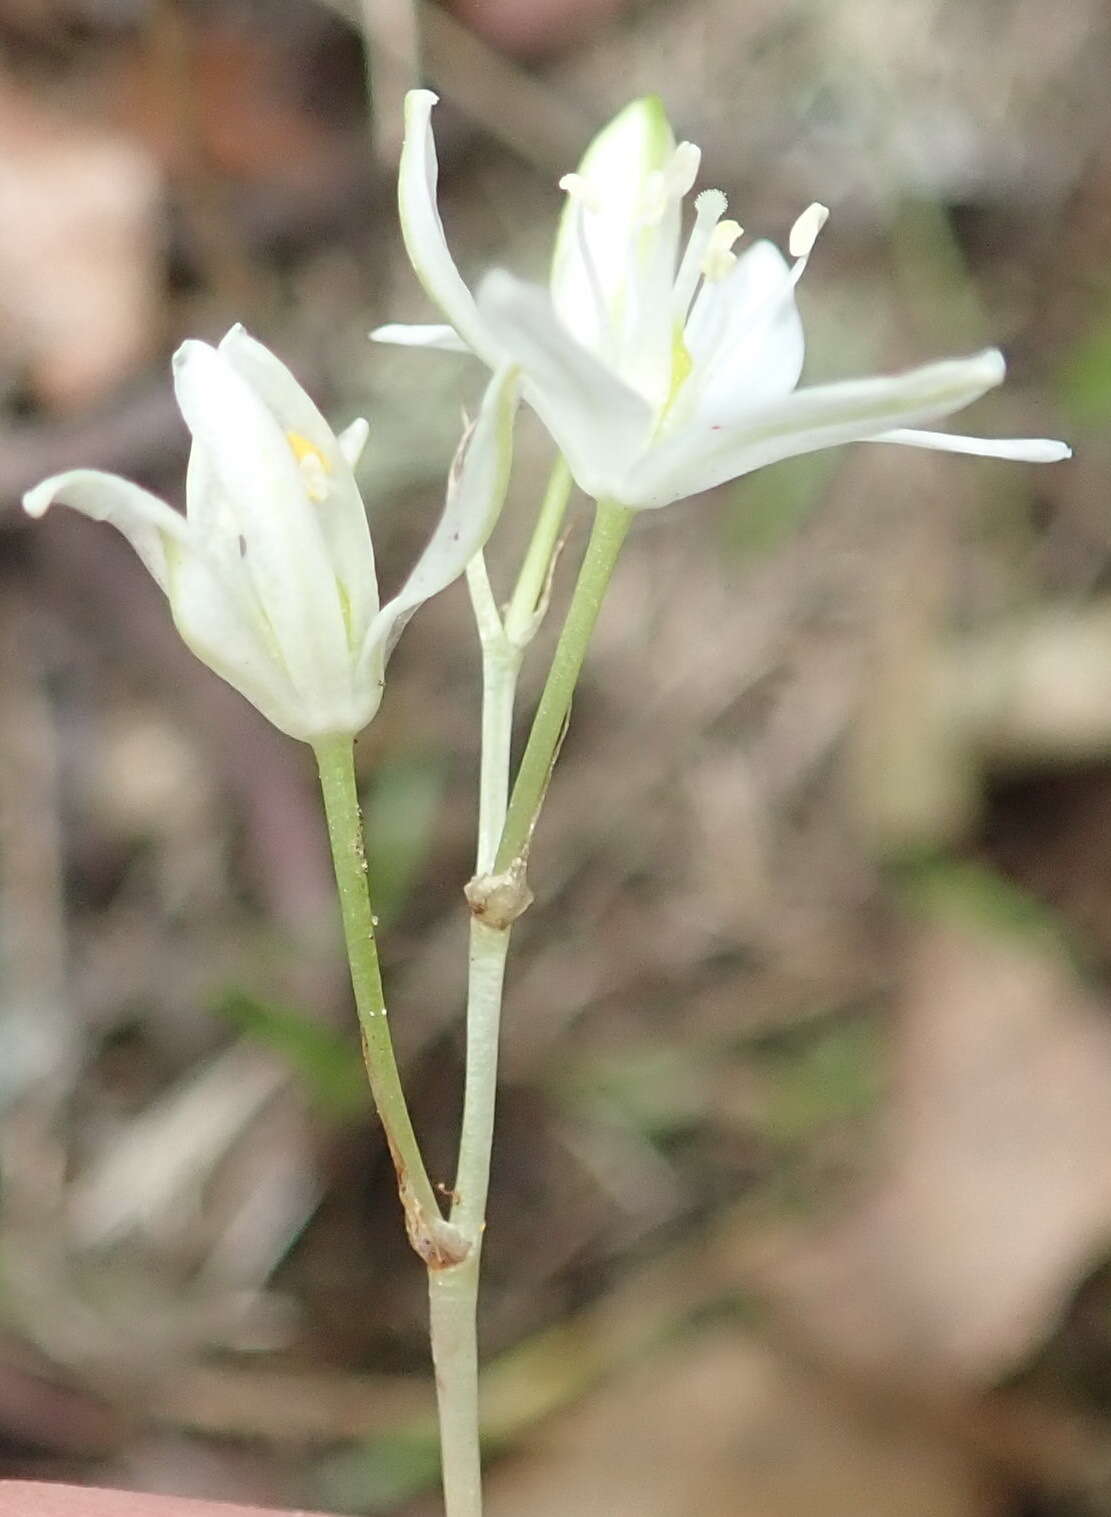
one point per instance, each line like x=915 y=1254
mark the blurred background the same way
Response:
x=802 y=1188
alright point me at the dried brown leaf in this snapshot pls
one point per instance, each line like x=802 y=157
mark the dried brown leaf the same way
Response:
x=998 y=1179
x=79 y=251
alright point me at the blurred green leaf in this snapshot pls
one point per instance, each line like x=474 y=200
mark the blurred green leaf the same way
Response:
x=974 y=895
x=652 y=1090
x=831 y=1075
x=380 y=1476
x=400 y=807
x=938 y=291
x=1084 y=382
x=328 y=1065
x=767 y=508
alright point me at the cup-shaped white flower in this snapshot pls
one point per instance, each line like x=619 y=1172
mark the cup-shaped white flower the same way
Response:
x=662 y=372
x=270 y=573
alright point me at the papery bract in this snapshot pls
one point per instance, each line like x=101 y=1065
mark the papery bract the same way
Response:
x=270 y=573
x=660 y=373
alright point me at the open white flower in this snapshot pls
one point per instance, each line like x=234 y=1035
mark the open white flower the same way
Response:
x=270 y=573
x=660 y=374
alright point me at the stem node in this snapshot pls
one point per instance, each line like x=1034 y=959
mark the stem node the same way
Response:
x=497 y=900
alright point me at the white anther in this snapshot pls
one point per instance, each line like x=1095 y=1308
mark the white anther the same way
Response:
x=580 y=188
x=719 y=257
x=804 y=233
x=667 y=186
x=682 y=171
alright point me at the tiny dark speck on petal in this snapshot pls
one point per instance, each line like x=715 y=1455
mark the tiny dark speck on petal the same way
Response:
x=242 y=546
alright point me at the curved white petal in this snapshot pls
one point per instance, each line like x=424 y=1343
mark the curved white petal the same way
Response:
x=257 y=476
x=216 y=528
x=144 y=520
x=599 y=423
x=279 y=391
x=340 y=508
x=697 y=457
x=403 y=335
x=475 y=495
x=423 y=230
x=745 y=339
x=1030 y=450
x=218 y=628
x=601 y=225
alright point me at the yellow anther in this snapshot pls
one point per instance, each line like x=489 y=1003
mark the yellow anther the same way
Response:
x=315 y=466
x=303 y=448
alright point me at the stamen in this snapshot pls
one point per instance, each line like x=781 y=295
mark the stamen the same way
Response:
x=578 y=207
x=667 y=186
x=719 y=257
x=804 y=233
x=315 y=466
x=682 y=171
x=580 y=189
x=709 y=208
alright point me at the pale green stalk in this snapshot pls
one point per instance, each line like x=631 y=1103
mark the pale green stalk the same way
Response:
x=453 y=1292
x=531 y=587
x=432 y=1237
x=611 y=524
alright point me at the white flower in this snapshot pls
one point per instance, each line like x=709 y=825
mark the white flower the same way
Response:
x=660 y=375
x=270 y=573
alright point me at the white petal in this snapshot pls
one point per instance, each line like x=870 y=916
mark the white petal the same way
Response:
x=599 y=423
x=475 y=495
x=423 y=230
x=259 y=480
x=614 y=175
x=745 y=339
x=216 y=526
x=341 y=512
x=697 y=457
x=219 y=630
x=445 y=338
x=1031 y=450
x=279 y=391
x=143 y=519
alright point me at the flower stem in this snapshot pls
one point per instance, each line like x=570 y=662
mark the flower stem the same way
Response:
x=611 y=523
x=453 y=1293
x=432 y=1237
x=529 y=589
